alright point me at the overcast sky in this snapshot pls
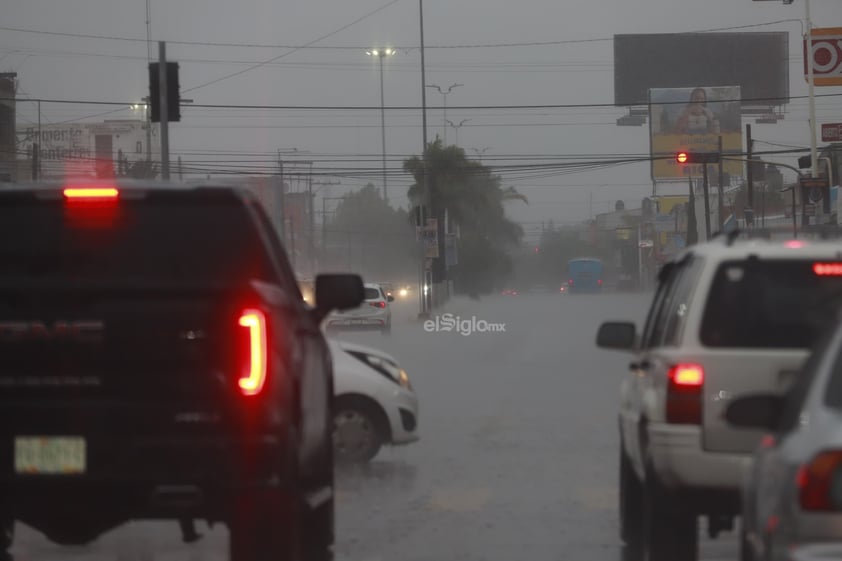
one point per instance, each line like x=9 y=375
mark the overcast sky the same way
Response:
x=75 y=68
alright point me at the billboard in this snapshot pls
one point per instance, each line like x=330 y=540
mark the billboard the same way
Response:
x=692 y=120
x=827 y=56
x=757 y=62
x=87 y=149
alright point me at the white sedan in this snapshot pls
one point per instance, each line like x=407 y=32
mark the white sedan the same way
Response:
x=375 y=404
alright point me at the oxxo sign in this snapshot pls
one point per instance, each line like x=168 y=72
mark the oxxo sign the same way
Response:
x=826 y=52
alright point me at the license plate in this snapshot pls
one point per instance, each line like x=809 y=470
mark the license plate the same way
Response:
x=50 y=455
x=358 y=321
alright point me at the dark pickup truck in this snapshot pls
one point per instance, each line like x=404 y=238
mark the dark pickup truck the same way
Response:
x=157 y=362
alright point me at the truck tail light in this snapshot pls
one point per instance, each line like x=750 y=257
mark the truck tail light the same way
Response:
x=253 y=367
x=684 y=394
x=90 y=193
x=819 y=482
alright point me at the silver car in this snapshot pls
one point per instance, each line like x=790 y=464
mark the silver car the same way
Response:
x=792 y=494
x=374 y=313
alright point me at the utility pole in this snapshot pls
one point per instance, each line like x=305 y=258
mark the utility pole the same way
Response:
x=165 y=136
x=35 y=161
x=814 y=158
x=312 y=225
x=721 y=190
x=749 y=171
x=147 y=110
x=40 y=141
x=707 y=199
x=428 y=201
x=279 y=200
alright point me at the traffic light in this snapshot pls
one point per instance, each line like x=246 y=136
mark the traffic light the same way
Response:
x=173 y=97
x=685 y=157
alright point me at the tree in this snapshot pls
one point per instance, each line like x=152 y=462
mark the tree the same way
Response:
x=475 y=204
x=368 y=235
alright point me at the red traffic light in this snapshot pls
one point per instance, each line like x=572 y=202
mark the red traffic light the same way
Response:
x=697 y=157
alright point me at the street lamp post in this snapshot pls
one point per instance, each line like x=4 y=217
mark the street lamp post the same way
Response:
x=381 y=54
x=480 y=152
x=457 y=127
x=444 y=94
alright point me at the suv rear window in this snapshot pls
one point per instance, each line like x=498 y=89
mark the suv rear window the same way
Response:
x=372 y=294
x=165 y=237
x=769 y=304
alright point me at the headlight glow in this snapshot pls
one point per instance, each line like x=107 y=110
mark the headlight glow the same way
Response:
x=385 y=367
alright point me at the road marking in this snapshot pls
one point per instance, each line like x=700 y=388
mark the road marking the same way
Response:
x=460 y=500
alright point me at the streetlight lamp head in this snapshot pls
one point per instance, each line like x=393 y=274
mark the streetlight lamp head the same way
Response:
x=389 y=52
x=372 y=52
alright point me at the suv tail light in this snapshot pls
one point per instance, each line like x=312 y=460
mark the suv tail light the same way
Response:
x=820 y=482
x=252 y=371
x=570 y=282
x=98 y=193
x=684 y=394
x=380 y=304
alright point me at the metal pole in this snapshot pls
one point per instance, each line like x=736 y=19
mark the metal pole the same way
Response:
x=794 y=217
x=749 y=168
x=312 y=225
x=721 y=190
x=165 y=137
x=444 y=118
x=279 y=201
x=707 y=200
x=426 y=179
x=324 y=231
x=812 y=93
x=381 y=55
x=148 y=115
x=39 y=138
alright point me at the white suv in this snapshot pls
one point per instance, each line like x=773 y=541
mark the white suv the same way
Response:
x=728 y=318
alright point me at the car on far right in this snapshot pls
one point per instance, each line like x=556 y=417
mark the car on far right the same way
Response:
x=793 y=493
x=730 y=317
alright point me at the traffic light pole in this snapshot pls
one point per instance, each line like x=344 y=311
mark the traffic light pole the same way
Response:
x=721 y=190
x=162 y=89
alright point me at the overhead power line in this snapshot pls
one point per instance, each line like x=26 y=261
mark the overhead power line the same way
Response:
x=358 y=47
x=404 y=107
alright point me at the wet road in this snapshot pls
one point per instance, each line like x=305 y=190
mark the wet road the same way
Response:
x=518 y=456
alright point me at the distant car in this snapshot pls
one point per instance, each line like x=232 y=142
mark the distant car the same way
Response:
x=405 y=291
x=375 y=404
x=373 y=314
x=388 y=288
x=792 y=495
x=509 y=292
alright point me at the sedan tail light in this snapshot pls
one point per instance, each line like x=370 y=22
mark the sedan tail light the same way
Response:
x=820 y=482
x=253 y=368
x=684 y=394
